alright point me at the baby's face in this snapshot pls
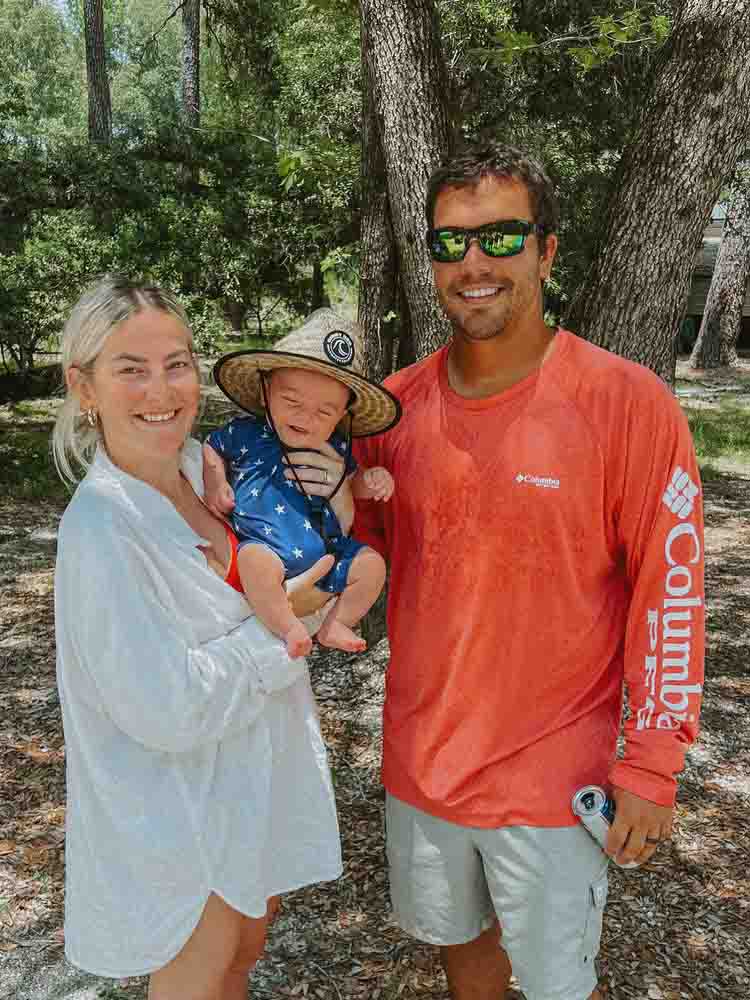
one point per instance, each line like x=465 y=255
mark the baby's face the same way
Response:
x=305 y=406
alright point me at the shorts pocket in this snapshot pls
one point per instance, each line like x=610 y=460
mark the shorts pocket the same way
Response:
x=593 y=930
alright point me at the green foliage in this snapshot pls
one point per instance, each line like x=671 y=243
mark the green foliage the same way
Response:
x=272 y=186
x=237 y=214
x=208 y=326
x=319 y=114
x=26 y=466
x=597 y=42
x=337 y=260
x=511 y=46
x=661 y=25
x=39 y=283
x=40 y=84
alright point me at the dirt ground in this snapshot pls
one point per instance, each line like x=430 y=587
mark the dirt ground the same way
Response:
x=676 y=930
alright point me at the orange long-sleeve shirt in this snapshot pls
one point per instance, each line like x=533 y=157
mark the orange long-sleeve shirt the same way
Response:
x=545 y=545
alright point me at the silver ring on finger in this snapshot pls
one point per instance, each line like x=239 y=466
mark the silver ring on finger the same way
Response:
x=326 y=477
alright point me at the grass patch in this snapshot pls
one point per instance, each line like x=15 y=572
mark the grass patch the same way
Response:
x=720 y=434
x=27 y=409
x=26 y=467
x=249 y=342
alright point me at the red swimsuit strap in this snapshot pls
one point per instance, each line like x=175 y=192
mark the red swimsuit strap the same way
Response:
x=233 y=573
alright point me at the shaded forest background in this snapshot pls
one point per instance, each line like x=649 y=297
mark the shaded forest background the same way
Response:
x=265 y=157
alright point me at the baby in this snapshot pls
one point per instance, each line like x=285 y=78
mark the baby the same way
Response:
x=298 y=395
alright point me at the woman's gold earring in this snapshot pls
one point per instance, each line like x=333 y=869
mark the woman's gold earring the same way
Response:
x=91 y=417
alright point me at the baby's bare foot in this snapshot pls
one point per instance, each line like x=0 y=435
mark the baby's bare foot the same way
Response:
x=298 y=642
x=338 y=636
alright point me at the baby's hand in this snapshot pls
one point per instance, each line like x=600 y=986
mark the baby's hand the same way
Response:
x=219 y=495
x=379 y=482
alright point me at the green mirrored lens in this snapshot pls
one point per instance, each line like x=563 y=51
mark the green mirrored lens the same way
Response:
x=450 y=246
x=499 y=244
x=502 y=239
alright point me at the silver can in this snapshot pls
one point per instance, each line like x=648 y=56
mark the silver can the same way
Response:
x=597 y=812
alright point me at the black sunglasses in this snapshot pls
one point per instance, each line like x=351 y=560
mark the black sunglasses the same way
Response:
x=496 y=239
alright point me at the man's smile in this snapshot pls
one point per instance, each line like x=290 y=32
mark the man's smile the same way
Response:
x=480 y=293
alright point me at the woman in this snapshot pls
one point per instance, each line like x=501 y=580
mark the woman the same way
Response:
x=198 y=788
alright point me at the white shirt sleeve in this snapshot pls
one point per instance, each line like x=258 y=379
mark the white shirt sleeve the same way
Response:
x=123 y=638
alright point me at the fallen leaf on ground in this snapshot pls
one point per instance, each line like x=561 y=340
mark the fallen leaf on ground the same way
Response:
x=37 y=856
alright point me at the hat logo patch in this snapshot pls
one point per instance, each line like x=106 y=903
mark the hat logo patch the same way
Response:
x=339 y=347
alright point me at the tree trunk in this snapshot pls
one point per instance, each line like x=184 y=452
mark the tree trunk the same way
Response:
x=191 y=107
x=404 y=65
x=378 y=271
x=234 y=314
x=406 y=352
x=191 y=62
x=100 y=108
x=693 y=129
x=257 y=311
x=319 y=296
x=722 y=317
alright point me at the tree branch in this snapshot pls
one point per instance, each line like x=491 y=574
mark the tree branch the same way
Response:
x=159 y=30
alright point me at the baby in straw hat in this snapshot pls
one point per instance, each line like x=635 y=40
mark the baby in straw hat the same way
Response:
x=297 y=396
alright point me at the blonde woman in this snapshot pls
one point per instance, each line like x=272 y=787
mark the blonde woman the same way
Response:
x=198 y=788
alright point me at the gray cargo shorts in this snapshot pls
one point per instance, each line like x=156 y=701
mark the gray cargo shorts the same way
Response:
x=546 y=885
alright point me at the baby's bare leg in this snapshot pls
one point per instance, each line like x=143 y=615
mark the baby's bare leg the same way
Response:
x=366 y=579
x=262 y=575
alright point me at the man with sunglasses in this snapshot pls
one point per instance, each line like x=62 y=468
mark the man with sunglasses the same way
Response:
x=545 y=549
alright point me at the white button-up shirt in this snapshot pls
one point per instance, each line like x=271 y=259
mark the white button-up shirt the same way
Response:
x=194 y=758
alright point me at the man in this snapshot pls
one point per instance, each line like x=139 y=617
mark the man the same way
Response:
x=545 y=543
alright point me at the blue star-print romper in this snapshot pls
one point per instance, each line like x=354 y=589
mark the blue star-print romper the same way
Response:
x=272 y=510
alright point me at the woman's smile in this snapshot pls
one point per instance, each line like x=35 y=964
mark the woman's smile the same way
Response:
x=158 y=418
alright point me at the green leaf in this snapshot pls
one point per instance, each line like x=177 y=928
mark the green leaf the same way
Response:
x=604 y=25
x=660 y=27
x=633 y=23
x=585 y=57
x=513 y=45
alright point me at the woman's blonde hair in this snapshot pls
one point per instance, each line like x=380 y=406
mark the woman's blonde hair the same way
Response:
x=102 y=307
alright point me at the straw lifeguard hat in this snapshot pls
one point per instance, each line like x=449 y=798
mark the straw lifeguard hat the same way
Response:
x=326 y=343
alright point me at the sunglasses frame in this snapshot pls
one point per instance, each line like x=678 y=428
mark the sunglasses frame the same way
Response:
x=508 y=227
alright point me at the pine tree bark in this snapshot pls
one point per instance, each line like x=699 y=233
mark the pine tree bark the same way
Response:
x=693 y=129
x=191 y=104
x=191 y=62
x=408 y=85
x=100 y=107
x=722 y=318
